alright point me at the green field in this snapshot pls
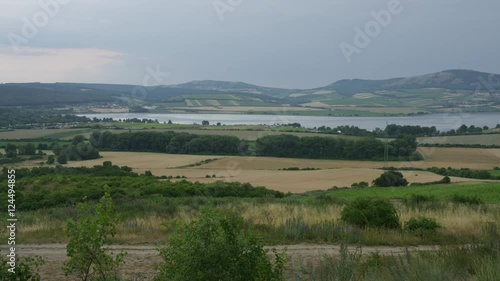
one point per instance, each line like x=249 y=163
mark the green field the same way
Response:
x=488 y=192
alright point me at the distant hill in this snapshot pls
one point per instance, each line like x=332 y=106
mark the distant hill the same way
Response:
x=23 y=94
x=222 y=93
x=234 y=87
x=50 y=94
x=448 y=79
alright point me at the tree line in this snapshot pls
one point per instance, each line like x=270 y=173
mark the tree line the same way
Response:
x=168 y=142
x=277 y=146
x=393 y=130
x=403 y=147
x=23 y=118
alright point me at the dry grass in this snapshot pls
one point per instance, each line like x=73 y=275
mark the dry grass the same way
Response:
x=455 y=220
x=460 y=220
x=462 y=223
x=301 y=181
x=474 y=158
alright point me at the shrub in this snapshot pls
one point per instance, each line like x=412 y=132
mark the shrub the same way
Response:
x=51 y=159
x=423 y=202
x=214 y=248
x=416 y=156
x=362 y=184
x=445 y=180
x=422 y=225
x=371 y=212
x=390 y=178
x=466 y=199
x=26 y=269
x=93 y=228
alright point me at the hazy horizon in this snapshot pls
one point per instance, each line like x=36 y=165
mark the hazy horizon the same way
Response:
x=184 y=82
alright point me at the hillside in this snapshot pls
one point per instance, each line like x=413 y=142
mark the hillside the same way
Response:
x=445 y=91
x=448 y=79
x=234 y=87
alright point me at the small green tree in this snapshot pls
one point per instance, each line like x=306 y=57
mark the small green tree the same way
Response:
x=51 y=159
x=92 y=229
x=214 y=249
x=62 y=158
x=27 y=149
x=78 y=139
x=371 y=212
x=10 y=151
x=390 y=178
x=86 y=151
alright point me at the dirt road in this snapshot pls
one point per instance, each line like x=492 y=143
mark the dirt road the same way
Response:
x=141 y=260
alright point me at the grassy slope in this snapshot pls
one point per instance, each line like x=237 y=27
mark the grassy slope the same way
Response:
x=488 y=192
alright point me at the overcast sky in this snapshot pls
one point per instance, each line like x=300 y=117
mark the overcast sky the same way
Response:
x=282 y=43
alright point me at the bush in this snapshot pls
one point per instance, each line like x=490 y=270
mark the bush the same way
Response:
x=93 y=228
x=422 y=202
x=214 y=248
x=467 y=200
x=26 y=269
x=390 y=178
x=371 y=212
x=445 y=180
x=416 y=156
x=362 y=184
x=422 y=226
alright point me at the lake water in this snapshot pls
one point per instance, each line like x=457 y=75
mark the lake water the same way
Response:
x=443 y=122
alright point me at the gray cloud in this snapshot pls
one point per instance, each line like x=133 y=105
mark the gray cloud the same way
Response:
x=287 y=43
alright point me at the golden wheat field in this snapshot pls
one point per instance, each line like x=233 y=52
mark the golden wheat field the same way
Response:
x=267 y=171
